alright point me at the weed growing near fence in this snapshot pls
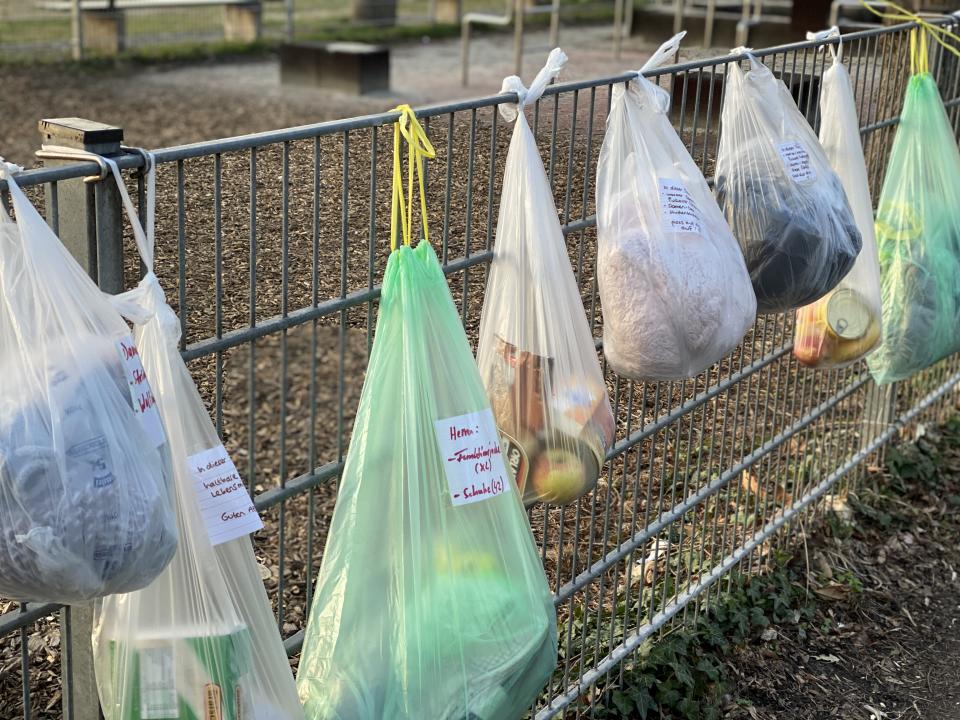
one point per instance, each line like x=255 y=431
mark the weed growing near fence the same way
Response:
x=684 y=674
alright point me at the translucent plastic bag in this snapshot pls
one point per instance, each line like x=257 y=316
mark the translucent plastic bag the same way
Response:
x=201 y=641
x=785 y=205
x=918 y=234
x=431 y=600
x=675 y=291
x=844 y=325
x=536 y=355
x=84 y=489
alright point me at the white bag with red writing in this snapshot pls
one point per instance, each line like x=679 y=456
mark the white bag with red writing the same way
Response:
x=84 y=492
x=201 y=641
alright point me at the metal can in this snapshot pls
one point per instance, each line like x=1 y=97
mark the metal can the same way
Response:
x=847 y=314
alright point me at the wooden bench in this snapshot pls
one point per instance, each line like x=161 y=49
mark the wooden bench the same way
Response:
x=350 y=67
x=104 y=21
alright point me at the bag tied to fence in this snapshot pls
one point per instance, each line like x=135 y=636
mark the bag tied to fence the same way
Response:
x=537 y=355
x=675 y=292
x=918 y=231
x=201 y=641
x=85 y=505
x=431 y=601
x=844 y=325
x=786 y=206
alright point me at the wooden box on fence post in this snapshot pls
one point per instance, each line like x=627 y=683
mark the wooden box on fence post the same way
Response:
x=355 y=68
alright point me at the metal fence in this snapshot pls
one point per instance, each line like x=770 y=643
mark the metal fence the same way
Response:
x=272 y=247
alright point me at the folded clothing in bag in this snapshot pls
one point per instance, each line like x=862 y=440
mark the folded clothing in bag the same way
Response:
x=675 y=292
x=85 y=505
x=69 y=528
x=786 y=206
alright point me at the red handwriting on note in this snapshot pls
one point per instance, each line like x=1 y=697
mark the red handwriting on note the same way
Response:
x=224 y=501
x=470 y=448
x=141 y=394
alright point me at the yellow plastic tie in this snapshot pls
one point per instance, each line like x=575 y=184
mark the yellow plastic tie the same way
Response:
x=919 y=61
x=418 y=147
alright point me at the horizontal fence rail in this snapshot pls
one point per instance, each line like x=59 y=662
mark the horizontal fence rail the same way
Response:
x=272 y=248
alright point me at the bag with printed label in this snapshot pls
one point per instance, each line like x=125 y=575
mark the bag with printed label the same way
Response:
x=674 y=289
x=918 y=232
x=537 y=355
x=85 y=504
x=201 y=641
x=431 y=600
x=786 y=206
x=844 y=325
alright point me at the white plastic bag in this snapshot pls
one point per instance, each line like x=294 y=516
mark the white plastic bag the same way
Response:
x=536 y=354
x=844 y=325
x=201 y=641
x=784 y=203
x=84 y=490
x=674 y=289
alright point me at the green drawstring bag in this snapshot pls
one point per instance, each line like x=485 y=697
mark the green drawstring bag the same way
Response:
x=431 y=602
x=918 y=233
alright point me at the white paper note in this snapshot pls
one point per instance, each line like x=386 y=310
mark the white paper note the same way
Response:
x=141 y=395
x=224 y=501
x=472 y=459
x=679 y=211
x=796 y=160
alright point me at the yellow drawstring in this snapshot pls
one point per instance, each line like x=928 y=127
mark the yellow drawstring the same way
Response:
x=418 y=147
x=918 y=51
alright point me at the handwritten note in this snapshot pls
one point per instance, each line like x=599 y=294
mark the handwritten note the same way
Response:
x=679 y=210
x=472 y=457
x=141 y=395
x=796 y=160
x=224 y=501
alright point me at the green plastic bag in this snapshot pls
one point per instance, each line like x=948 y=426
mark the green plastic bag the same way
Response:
x=918 y=234
x=431 y=602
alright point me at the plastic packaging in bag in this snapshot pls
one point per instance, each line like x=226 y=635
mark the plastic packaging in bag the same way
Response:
x=431 y=601
x=918 y=233
x=786 y=206
x=536 y=354
x=201 y=641
x=675 y=292
x=84 y=489
x=844 y=325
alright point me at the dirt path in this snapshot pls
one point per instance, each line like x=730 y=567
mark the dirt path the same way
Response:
x=886 y=640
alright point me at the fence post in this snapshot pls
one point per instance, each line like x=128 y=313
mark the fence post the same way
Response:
x=89 y=217
x=878 y=411
x=76 y=30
